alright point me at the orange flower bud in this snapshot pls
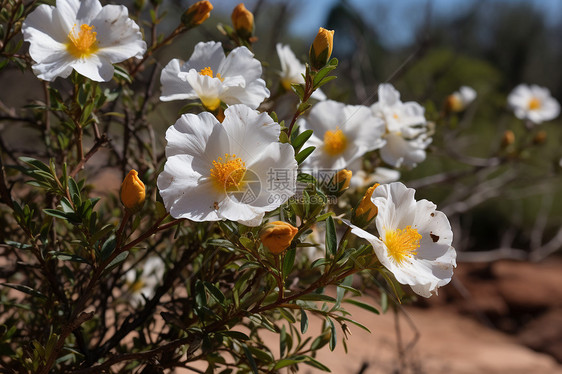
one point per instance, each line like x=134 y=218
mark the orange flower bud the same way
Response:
x=366 y=210
x=508 y=138
x=277 y=236
x=321 y=48
x=132 y=191
x=453 y=104
x=341 y=180
x=243 y=21
x=197 y=13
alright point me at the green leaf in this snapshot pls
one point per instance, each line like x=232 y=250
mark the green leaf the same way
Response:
x=355 y=323
x=26 y=289
x=331 y=238
x=68 y=257
x=235 y=335
x=362 y=305
x=316 y=364
x=317 y=297
x=299 y=141
x=108 y=247
x=304 y=321
x=36 y=164
x=214 y=292
x=289 y=361
x=302 y=155
x=333 y=335
x=298 y=89
x=116 y=261
x=289 y=261
x=250 y=359
x=56 y=213
x=326 y=80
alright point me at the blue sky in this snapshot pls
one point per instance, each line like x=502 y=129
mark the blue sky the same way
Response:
x=401 y=17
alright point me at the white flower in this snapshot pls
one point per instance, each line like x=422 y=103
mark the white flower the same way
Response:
x=459 y=100
x=407 y=135
x=81 y=35
x=361 y=178
x=212 y=77
x=292 y=70
x=341 y=134
x=144 y=285
x=236 y=170
x=533 y=103
x=414 y=239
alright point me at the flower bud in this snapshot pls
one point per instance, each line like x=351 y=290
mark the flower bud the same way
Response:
x=321 y=48
x=540 y=137
x=197 y=13
x=277 y=236
x=453 y=104
x=365 y=210
x=243 y=21
x=132 y=191
x=340 y=181
x=508 y=138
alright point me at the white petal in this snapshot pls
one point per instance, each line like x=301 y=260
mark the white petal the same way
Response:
x=66 y=12
x=190 y=134
x=118 y=36
x=95 y=67
x=184 y=193
x=209 y=54
x=249 y=132
x=87 y=11
x=173 y=87
x=241 y=62
x=252 y=95
x=388 y=95
x=43 y=22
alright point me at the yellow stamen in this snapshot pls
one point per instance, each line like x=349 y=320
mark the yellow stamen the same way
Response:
x=82 y=43
x=137 y=286
x=395 y=115
x=534 y=103
x=335 y=142
x=402 y=244
x=209 y=72
x=228 y=173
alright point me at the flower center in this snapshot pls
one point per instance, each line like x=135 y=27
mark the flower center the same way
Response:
x=137 y=286
x=335 y=142
x=228 y=172
x=534 y=103
x=209 y=72
x=82 y=43
x=402 y=244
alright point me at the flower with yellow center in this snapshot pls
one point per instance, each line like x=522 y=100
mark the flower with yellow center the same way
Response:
x=237 y=170
x=459 y=100
x=81 y=35
x=413 y=239
x=341 y=134
x=533 y=103
x=143 y=283
x=212 y=77
x=406 y=131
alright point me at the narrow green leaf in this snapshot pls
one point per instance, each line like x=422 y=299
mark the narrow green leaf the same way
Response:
x=317 y=297
x=289 y=261
x=304 y=321
x=331 y=238
x=302 y=155
x=26 y=289
x=250 y=359
x=214 y=292
x=289 y=361
x=333 y=335
x=116 y=261
x=299 y=141
x=362 y=305
x=56 y=213
x=235 y=335
x=316 y=364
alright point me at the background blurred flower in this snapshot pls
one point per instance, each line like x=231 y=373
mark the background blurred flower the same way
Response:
x=342 y=133
x=459 y=100
x=81 y=35
x=236 y=170
x=414 y=239
x=212 y=77
x=533 y=103
x=143 y=284
x=292 y=70
x=406 y=128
